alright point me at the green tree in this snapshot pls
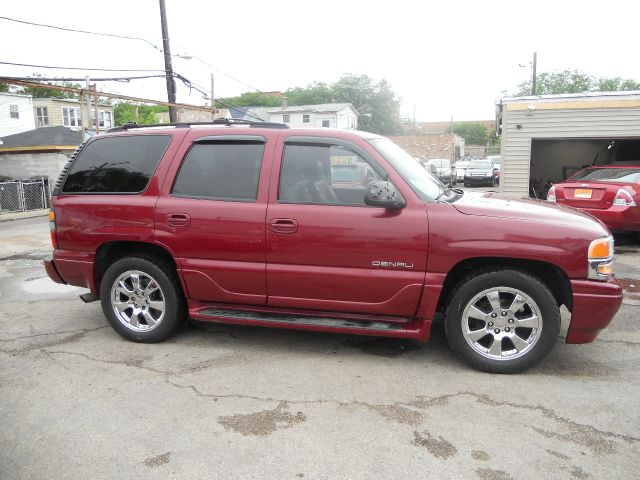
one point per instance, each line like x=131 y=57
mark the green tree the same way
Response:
x=4 y=87
x=376 y=102
x=617 y=84
x=312 y=94
x=38 y=92
x=574 y=81
x=127 y=112
x=254 y=99
x=474 y=133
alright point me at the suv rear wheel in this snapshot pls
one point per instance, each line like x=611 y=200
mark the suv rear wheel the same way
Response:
x=142 y=298
x=502 y=321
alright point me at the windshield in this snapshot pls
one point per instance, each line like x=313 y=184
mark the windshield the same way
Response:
x=480 y=165
x=630 y=175
x=426 y=186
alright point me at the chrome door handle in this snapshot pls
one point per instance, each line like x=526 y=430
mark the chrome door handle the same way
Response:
x=283 y=225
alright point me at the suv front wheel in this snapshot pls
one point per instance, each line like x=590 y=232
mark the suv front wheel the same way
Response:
x=142 y=298
x=502 y=321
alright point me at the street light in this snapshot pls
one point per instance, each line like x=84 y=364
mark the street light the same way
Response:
x=191 y=57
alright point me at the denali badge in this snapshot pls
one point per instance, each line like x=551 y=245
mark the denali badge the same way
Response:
x=378 y=263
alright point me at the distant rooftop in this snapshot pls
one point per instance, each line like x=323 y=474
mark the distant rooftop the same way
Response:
x=319 y=108
x=44 y=136
x=574 y=96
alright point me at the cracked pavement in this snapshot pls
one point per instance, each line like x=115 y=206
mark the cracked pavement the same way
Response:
x=218 y=401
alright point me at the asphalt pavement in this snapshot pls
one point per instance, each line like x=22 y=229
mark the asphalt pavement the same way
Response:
x=217 y=401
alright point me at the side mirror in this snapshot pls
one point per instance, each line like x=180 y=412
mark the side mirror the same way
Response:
x=432 y=169
x=383 y=194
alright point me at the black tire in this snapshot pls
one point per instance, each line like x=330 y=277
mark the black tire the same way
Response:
x=466 y=184
x=169 y=291
x=535 y=343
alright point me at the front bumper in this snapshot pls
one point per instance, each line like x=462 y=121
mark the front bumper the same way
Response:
x=478 y=180
x=594 y=306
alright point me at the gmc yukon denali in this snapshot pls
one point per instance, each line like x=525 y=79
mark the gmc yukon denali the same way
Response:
x=242 y=223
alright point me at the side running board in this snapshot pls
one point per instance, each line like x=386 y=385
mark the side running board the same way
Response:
x=297 y=319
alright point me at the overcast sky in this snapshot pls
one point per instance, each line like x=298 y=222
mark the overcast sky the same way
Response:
x=446 y=58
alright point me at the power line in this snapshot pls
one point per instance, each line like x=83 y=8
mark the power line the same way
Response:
x=224 y=101
x=83 y=68
x=99 y=94
x=186 y=57
x=126 y=37
x=102 y=79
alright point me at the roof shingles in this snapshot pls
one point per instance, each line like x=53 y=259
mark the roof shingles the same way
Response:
x=62 y=136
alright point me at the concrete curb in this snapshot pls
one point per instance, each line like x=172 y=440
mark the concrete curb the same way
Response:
x=7 y=217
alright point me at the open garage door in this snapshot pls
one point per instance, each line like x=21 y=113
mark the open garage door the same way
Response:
x=553 y=161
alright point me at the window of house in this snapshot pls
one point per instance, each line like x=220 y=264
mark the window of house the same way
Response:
x=221 y=171
x=105 y=118
x=326 y=123
x=116 y=164
x=306 y=119
x=286 y=119
x=324 y=174
x=71 y=117
x=13 y=111
x=42 y=116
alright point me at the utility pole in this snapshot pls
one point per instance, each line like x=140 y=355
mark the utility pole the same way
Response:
x=171 y=84
x=94 y=87
x=213 y=102
x=414 y=118
x=533 y=73
x=453 y=143
x=88 y=87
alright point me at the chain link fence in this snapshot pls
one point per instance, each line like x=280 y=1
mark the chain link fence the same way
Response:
x=24 y=195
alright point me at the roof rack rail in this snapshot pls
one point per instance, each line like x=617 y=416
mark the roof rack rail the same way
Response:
x=217 y=121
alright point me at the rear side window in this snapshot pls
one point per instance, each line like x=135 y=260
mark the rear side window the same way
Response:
x=116 y=164
x=221 y=171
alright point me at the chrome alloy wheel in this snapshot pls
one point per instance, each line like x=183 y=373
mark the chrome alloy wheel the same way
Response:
x=501 y=323
x=138 y=301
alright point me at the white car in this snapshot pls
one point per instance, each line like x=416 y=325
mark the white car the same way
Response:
x=461 y=168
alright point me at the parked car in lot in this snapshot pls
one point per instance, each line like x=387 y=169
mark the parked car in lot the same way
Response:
x=239 y=223
x=350 y=181
x=609 y=193
x=460 y=168
x=481 y=172
x=497 y=166
x=442 y=168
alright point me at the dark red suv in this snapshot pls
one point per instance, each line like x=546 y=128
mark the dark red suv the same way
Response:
x=242 y=224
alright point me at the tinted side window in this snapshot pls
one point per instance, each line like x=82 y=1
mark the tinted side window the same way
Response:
x=116 y=164
x=324 y=174
x=221 y=171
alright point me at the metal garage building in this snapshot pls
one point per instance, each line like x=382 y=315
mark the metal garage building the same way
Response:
x=545 y=139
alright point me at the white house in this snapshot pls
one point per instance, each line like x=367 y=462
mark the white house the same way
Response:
x=16 y=114
x=325 y=115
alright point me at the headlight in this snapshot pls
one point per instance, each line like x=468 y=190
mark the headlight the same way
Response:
x=601 y=258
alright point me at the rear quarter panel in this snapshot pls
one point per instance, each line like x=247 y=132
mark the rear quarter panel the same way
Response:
x=85 y=221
